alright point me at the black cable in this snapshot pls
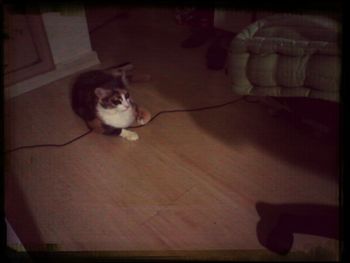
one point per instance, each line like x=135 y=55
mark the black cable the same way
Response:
x=133 y=127
x=189 y=110
x=49 y=145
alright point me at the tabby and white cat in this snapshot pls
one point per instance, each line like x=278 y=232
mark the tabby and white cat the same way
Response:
x=102 y=100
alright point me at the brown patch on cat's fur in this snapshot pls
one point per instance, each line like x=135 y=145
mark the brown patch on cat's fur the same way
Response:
x=143 y=116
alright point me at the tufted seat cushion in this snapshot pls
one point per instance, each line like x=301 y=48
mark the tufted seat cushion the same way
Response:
x=287 y=55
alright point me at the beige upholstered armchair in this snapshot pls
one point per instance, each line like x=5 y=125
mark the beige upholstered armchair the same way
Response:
x=287 y=55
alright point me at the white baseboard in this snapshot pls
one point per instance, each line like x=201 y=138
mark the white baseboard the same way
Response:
x=63 y=69
x=12 y=240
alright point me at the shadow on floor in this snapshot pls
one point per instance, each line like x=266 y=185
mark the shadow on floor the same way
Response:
x=284 y=137
x=181 y=75
x=19 y=216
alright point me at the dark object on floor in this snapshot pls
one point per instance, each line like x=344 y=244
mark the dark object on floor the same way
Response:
x=216 y=57
x=201 y=24
x=217 y=52
x=197 y=38
x=321 y=117
x=278 y=223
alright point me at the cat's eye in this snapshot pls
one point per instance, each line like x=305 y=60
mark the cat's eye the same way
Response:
x=127 y=95
x=115 y=101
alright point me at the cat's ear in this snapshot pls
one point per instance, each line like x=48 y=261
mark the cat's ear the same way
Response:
x=122 y=75
x=124 y=79
x=116 y=72
x=102 y=93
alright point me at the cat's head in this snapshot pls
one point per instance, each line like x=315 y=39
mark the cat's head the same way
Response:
x=113 y=98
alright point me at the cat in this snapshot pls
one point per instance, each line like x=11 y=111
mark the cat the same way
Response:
x=103 y=101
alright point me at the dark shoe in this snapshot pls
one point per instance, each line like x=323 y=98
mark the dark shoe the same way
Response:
x=218 y=50
x=197 y=39
x=271 y=231
x=216 y=57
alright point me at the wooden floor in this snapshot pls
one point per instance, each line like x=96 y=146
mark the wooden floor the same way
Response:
x=192 y=180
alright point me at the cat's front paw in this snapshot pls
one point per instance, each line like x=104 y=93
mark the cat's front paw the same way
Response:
x=129 y=135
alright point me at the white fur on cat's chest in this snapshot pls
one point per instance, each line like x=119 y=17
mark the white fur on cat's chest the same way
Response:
x=117 y=119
